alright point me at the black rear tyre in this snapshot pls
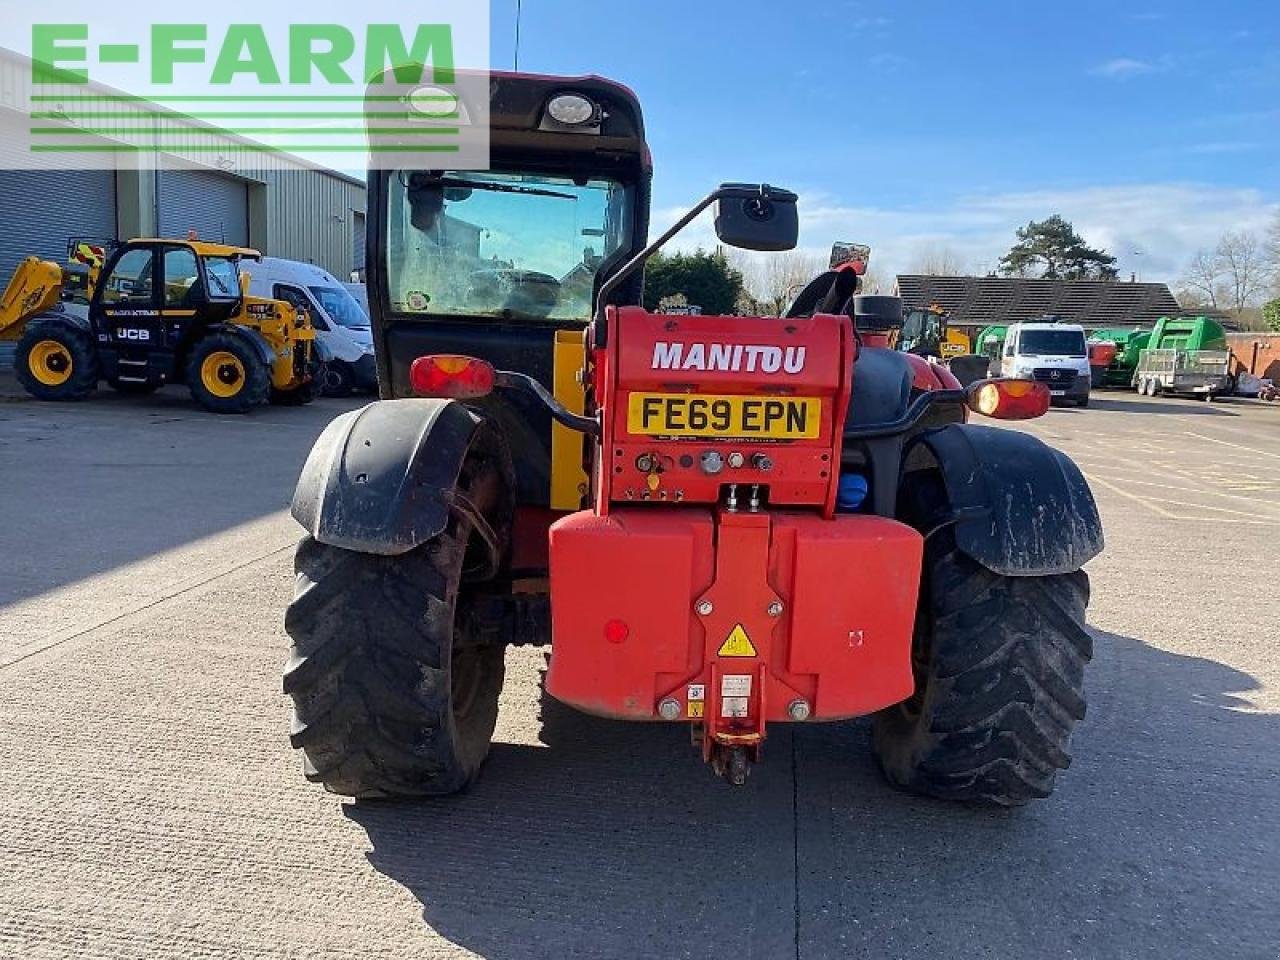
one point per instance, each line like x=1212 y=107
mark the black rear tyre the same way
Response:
x=55 y=361
x=226 y=375
x=338 y=379
x=395 y=694
x=999 y=665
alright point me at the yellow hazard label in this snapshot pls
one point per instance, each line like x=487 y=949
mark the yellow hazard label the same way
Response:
x=697 y=711
x=738 y=644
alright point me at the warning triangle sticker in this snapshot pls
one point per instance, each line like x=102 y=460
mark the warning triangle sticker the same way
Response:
x=738 y=644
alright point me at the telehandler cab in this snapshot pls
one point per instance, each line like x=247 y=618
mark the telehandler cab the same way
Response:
x=154 y=312
x=722 y=522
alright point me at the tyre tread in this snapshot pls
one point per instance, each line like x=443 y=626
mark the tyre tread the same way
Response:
x=368 y=671
x=1005 y=686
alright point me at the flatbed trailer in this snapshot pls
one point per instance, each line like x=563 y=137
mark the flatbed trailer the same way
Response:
x=1205 y=373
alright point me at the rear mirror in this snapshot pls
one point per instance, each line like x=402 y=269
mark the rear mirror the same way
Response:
x=426 y=196
x=760 y=217
x=857 y=254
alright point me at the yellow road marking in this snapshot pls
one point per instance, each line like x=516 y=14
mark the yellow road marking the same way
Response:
x=1132 y=496
x=1249 y=518
x=1238 y=446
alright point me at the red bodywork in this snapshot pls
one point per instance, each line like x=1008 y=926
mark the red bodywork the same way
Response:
x=735 y=598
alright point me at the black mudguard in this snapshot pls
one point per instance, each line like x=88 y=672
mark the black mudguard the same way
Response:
x=379 y=479
x=1025 y=508
x=60 y=317
x=253 y=337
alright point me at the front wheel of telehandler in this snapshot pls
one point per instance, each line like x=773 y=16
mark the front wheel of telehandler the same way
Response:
x=999 y=665
x=55 y=361
x=226 y=375
x=395 y=693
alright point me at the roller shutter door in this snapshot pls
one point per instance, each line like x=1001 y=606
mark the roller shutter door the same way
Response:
x=41 y=209
x=216 y=206
x=357 y=242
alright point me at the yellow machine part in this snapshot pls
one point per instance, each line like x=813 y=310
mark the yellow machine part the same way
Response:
x=569 y=483
x=36 y=286
x=956 y=344
x=287 y=330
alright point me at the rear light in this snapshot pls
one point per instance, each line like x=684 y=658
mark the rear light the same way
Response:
x=616 y=631
x=1010 y=399
x=452 y=377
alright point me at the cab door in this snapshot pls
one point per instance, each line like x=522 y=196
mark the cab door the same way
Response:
x=125 y=315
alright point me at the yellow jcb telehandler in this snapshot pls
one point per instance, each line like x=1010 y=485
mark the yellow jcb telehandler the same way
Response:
x=147 y=313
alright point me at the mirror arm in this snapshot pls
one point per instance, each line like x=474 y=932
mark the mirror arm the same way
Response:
x=636 y=262
x=510 y=380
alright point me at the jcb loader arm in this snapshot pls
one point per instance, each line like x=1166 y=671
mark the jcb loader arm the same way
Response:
x=36 y=286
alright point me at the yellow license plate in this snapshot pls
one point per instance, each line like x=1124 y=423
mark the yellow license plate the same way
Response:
x=727 y=417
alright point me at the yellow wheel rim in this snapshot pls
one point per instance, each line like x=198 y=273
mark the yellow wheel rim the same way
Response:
x=222 y=374
x=50 y=363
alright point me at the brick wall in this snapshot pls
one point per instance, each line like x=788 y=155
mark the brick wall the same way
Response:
x=1256 y=353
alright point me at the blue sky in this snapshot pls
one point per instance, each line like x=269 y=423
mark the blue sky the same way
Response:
x=916 y=126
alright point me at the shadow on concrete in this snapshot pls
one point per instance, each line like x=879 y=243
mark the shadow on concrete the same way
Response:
x=97 y=485
x=1177 y=405
x=612 y=841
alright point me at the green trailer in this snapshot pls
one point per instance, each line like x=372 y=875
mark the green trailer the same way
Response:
x=1130 y=343
x=1185 y=355
x=990 y=342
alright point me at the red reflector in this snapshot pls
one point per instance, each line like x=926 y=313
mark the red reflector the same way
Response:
x=615 y=631
x=452 y=377
x=1010 y=399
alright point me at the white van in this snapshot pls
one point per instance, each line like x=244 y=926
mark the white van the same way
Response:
x=361 y=294
x=1054 y=354
x=342 y=325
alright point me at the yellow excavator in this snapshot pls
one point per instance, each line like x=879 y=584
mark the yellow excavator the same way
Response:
x=150 y=312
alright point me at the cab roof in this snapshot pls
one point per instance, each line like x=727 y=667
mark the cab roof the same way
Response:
x=203 y=249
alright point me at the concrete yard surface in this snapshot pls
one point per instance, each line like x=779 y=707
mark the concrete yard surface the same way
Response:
x=154 y=807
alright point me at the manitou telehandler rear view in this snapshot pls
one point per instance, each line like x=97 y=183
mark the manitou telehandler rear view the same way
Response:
x=721 y=522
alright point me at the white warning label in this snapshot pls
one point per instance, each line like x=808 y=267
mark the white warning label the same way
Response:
x=735 y=685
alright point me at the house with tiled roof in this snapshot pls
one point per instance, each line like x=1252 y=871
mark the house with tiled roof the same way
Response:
x=977 y=302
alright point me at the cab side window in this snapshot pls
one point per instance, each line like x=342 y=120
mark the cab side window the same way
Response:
x=1011 y=345
x=182 y=287
x=299 y=301
x=130 y=282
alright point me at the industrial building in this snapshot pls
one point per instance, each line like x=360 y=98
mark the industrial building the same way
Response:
x=203 y=179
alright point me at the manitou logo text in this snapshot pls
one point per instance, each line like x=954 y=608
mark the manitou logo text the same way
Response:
x=728 y=358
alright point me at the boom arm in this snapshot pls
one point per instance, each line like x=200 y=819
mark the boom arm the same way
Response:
x=36 y=287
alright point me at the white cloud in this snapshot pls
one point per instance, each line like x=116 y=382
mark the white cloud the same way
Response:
x=1153 y=229
x=1122 y=68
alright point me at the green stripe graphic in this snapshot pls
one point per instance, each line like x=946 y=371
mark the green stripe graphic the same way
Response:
x=252 y=147
x=229 y=98
x=294 y=131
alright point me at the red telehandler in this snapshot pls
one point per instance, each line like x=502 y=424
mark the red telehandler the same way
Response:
x=722 y=522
